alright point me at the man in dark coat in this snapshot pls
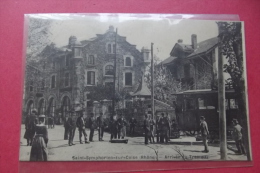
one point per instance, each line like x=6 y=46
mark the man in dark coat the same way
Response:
x=152 y=125
x=164 y=126
x=158 y=129
x=237 y=135
x=204 y=133
x=82 y=128
x=113 y=127
x=121 y=125
x=92 y=126
x=72 y=127
x=146 y=129
x=132 y=123
x=101 y=125
x=66 y=126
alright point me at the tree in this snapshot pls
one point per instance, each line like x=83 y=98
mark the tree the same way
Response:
x=230 y=35
x=38 y=36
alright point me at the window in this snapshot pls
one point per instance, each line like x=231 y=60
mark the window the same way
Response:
x=190 y=104
x=128 y=79
x=128 y=62
x=109 y=48
x=206 y=103
x=31 y=86
x=91 y=78
x=53 y=81
x=109 y=70
x=233 y=104
x=66 y=61
x=91 y=60
x=77 y=52
x=67 y=79
x=53 y=65
x=43 y=84
x=114 y=48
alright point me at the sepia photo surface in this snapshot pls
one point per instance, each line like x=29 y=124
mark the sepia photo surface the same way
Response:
x=121 y=87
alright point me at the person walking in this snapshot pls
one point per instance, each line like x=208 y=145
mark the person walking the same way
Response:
x=101 y=125
x=204 y=133
x=39 y=145
x=27 y=129
x=82 y=128
x=132 y=123
x=72 y=127
x=237 y=136
x=92 y=126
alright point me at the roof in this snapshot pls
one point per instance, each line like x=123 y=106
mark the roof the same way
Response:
x=168 y=60
x=185 y=47
x=142 y=89
x=203 y=91
x=204 y=46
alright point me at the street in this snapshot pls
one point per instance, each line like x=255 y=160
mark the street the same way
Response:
x=59 y=150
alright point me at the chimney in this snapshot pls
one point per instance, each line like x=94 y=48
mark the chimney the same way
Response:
x=72 y=41
x=194 y=41
x=146 y=54
x=180 y=41
x=111 y=28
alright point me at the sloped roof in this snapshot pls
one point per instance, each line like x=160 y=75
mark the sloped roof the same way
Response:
x=204 y=46
x=185 y=47
x=168 y=60
x=142 y=89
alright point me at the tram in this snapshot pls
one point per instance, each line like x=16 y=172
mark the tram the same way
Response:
x=192 y=104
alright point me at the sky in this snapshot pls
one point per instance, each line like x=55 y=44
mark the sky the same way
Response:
x=140 y=30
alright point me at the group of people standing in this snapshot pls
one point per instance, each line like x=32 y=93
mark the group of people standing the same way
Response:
x=163 y=129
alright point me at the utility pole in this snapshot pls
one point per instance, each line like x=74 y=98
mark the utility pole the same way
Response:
x=114 y=88
x=152 y=82
x=222 y=107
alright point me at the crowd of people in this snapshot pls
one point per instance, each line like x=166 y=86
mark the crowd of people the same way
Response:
x=37 y=134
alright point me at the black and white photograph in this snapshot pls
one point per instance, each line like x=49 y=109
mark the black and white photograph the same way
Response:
x=133 y=87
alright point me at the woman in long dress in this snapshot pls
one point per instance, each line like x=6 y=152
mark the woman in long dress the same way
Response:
x=40 y=140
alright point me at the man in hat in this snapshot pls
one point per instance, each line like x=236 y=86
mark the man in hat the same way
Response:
x=92 y=126
x=132 y=123
x=81 y=127
x=66 y=126
x=204 y=133
x=101 y=125
x=72 y=127
x=121 y=124
x=164 y=126
x=146 y=129
x=113 y=127
x=237 y=135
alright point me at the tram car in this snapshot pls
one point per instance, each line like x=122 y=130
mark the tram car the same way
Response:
x=192 y=104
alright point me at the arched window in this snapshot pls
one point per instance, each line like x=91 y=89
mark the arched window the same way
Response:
x=109 y=70
x=128 y=62
x=41 y=108
x=52 y=107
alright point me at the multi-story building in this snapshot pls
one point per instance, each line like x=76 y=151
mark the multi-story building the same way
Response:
x=81 y=74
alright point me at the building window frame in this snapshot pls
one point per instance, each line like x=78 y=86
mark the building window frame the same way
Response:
x=91 y=78
x=126 y=82
x=31 y=88
x=66 y=79
x=111 y=47
x=91 y=60
x=126 y=60
x=53 y=82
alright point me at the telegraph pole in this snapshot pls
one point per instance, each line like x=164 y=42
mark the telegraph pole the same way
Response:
x=114 y=87
x=152 y=82
x=221 y=105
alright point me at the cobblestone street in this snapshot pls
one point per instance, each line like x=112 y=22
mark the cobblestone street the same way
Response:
x=59 y=150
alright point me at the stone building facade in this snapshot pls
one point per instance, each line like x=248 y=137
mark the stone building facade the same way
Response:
x=80 y=75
